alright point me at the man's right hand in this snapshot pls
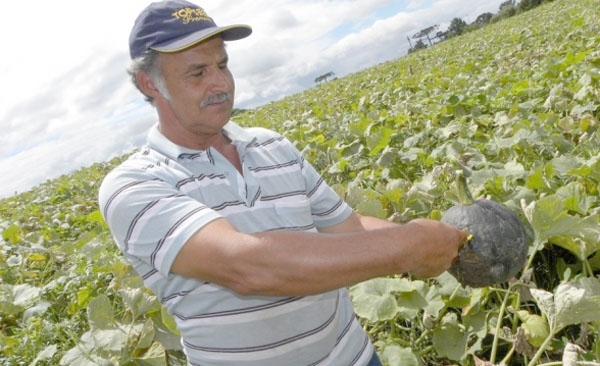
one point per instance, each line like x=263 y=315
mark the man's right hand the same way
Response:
x=435 y=246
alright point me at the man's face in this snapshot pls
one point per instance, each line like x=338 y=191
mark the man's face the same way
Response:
x=200 y=86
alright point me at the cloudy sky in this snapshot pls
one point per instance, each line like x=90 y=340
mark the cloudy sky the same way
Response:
x=66 y=101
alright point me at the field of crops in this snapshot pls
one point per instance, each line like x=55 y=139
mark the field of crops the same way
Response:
x=516 y=102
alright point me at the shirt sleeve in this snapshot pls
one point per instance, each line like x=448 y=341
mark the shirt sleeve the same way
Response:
x=327 y=207
x=149 y=219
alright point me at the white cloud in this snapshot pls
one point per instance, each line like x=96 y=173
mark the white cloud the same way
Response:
x=67 y=101
x=54 y=157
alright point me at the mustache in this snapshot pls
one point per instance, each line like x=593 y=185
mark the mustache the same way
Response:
x=215 y=98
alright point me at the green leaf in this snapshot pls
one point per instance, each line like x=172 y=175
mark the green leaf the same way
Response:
x=168 y=321
x=155 y=356
x=423 y=298
x=575 y=198
x=12 y=234
x=372 y=207
x=449 y=284
x=338 y=167
x=587 y=229
x=475 y=323
x=111 y=341
x=537 y=179
x=520 y=87
x=450 y=339
x=388 y=157
x=578 y=301
x=565 y=164
x=354 y=194
x=85 y=353
x=47 y=353
x=395 y=355
x=432 y=296
x=83 y=296
x=24 y=295
x=96 y=216
x=377 y=308
x=8 y=308
x=146 y=336
x=374 y=299
x=100 y=313
x=573 y=302
x=581 y=248
x=579 y=110
x=379 y=140
x=545 y=301
x=549 y=218
x=77 y=357
x=139 y=301
x=169 y=339
x=530 y=104
x=36 y=310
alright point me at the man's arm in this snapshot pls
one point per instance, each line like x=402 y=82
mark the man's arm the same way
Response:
x=357 y=222
x=302 y=263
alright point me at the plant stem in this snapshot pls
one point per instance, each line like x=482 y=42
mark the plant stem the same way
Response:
x=404 y=343
x=509 y=354
x=462 y=190
x=423 y=336
x=536 y=247
x=580 y=363
x=443 y=310
x=542 y=348
x=584 y=269
x=499 y=325
x=454 y=293
x=516 y=305
x=586 y=264
x=426 y=350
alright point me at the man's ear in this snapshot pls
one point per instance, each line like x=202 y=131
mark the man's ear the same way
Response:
x=146 y=84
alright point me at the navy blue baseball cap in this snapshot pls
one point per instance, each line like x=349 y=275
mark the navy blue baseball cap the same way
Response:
x=174 y=25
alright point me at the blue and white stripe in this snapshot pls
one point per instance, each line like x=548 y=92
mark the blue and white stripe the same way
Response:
x=156 y=200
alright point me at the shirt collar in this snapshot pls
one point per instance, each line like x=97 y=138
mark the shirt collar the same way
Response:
x=157 y=141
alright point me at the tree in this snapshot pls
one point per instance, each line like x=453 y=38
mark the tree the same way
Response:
x=456 y=28
x=528 y=4
x=425 y=33
x=324 y=77
x=419 y=45
x=507 y=4
x=441 y=35
x=507 y=10
x=483 y=19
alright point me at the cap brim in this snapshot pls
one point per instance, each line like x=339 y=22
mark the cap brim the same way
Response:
x=229 y=33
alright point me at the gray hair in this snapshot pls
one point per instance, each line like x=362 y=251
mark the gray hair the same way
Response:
x=149 y=64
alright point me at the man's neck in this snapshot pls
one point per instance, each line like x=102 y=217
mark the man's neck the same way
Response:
x=194 y=141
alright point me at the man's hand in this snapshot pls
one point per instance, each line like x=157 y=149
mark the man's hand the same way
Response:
x=435 y=247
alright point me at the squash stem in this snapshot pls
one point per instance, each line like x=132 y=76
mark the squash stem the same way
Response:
x=462 y=190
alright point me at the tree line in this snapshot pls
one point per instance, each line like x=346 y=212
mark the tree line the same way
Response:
x=458 y=26
x=429 y=36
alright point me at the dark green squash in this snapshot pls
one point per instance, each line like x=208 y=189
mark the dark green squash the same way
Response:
x=498 y=241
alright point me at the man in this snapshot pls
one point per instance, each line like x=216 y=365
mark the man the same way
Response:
x=239 y=237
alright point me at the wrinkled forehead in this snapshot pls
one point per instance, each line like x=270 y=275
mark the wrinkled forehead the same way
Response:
x=210 y=52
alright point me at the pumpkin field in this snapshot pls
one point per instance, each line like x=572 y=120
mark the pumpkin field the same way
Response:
x=515 y=105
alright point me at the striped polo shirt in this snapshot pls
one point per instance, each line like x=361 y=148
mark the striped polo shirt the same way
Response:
x=158 y=198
